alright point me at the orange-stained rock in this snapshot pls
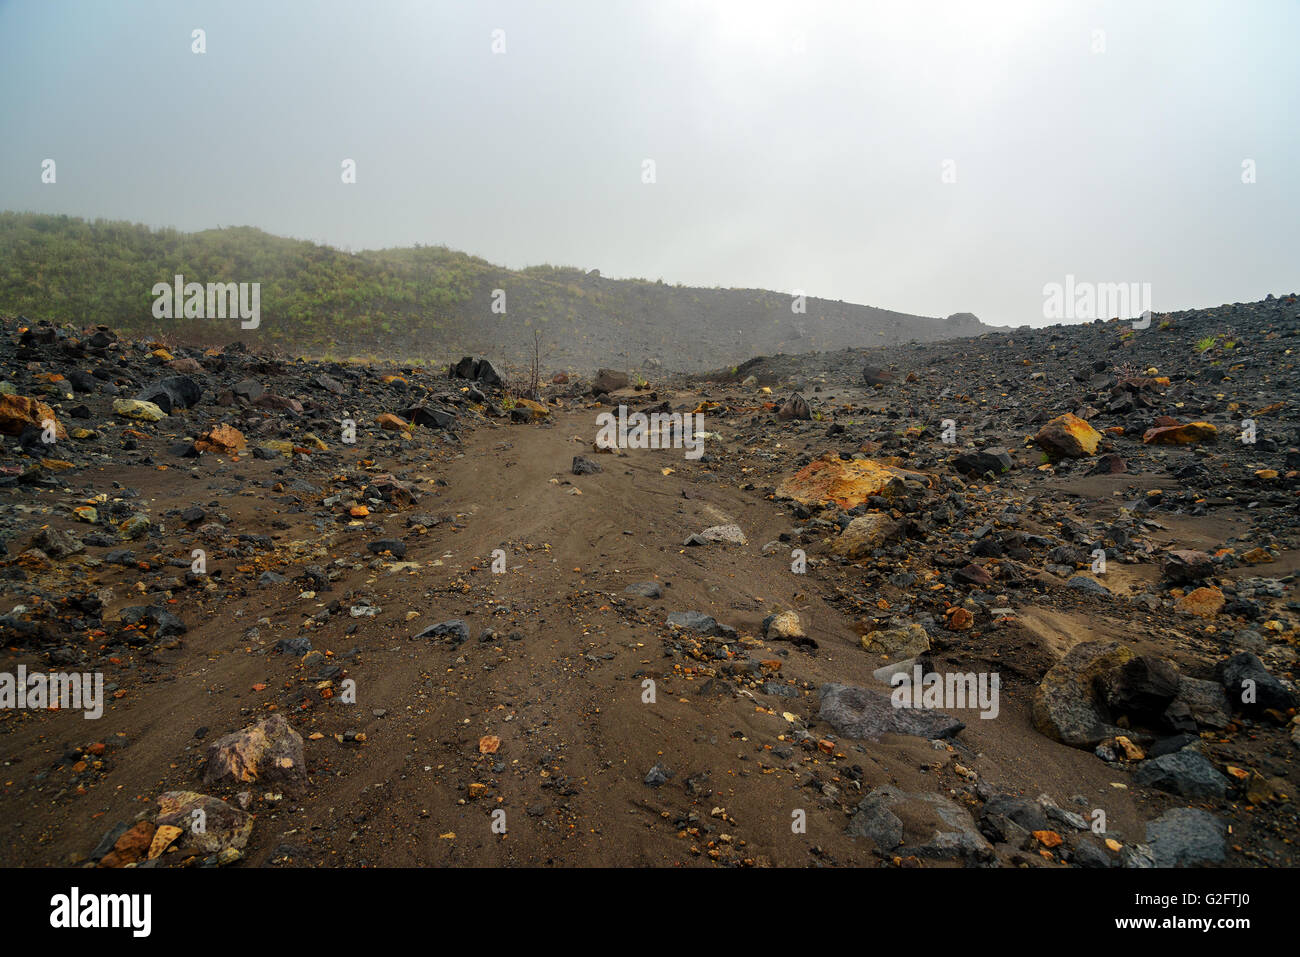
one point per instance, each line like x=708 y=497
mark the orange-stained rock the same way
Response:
x=391 y=423
x=960 y=619
x=267 y=751
x=131 y=847
x=536 y=409
x=18 y=411
x=1049 y=838
x=221 y=438
x=1185 y=434
x=1202 y=602
x=847 y=483
x=223 y=826
x=1068 y=436
x=163 y=838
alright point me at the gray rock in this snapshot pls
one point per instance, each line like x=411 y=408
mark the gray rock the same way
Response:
x=57 y=544
x=920 y=824
x=1084 y=583
x=1185 y=836
x=608 y=380
x=1067 y=705
x=1198 y=703
x=723 y=534
x=644 y=589
x=1089 y=853
x=108 y=840
x=700 y=623
x=1007 y=819
x=1136 y=855
x=1243 y=672
x=224 y=827
x=454 y=629
x=1187 y=773
x=863 y=713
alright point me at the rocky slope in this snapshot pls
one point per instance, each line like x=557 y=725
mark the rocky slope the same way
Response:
x=463 y=634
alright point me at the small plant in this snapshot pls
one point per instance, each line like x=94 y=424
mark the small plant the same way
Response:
x=535 y=367
x=1206 y=344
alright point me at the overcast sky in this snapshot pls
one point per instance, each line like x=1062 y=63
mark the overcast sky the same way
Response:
x=796 y=145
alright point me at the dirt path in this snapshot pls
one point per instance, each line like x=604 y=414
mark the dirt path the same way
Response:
x=561 y=683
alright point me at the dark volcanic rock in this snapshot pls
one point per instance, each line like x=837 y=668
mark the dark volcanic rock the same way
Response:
x=1186 y=837
x=607 y=380
x=874 y=375
x=455 y=630
x=863 y=713
x=174 y=392
x=1252 y=688
x=979 y=464
x=1186 y=773
x=917 y=825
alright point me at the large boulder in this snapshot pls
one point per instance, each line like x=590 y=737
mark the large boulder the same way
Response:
x=918 y=825
x=1068 y=703
x=207 y=824
x=1141 y=688
x=1068 y=436
x=1251 y=688
x=269 y=751
x=1198 y=704
x=608 y=380
x=18 y=412
x=1187 y=433
x=864 y=713
x=488 y=374
x=980 y=463
x=1183 y=566
x=794 y=408
x=172 y=393
x=845 y=482
x=865 y=534
x=1187 y=773
x=1187 y=837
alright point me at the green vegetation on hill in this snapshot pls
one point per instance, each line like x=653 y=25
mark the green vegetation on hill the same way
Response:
x=418 y=303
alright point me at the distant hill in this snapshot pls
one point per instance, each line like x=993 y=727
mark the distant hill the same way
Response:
x=425 y=303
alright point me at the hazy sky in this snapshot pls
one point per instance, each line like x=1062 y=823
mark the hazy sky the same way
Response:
x=797 y=145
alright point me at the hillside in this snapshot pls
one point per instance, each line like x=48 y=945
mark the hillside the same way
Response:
x=425 y=303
